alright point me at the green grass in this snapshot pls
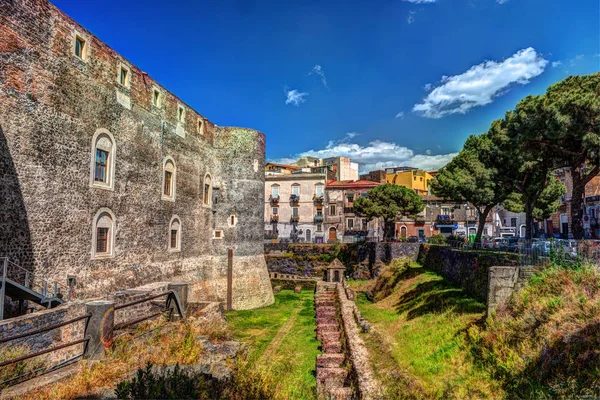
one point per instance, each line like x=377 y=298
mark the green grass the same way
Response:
x=421 y=326
x=292 y=355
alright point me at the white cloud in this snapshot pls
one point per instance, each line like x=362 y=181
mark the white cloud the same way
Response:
x=379 y=155
x=411 y=17
x=575 y=59
x=351 y=135
x=400 y=115
x=295 y=97
x=480 y=84
x=318 y=70
x=556 y=64
x=428 y=87
x=421 y=1
x=501 y=1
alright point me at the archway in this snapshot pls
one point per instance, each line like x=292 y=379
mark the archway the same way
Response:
x=403 y=232
x=336 y=276
x=308 y=236
x=332 y=234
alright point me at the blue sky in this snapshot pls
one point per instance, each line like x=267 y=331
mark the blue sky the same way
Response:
x=392 y=82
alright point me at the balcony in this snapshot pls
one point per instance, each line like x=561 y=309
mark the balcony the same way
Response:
x=294 y=199
x=294 y=219
x=319 y=200
x=274 y=218
x=274 y=199
x=348 y=210
x=445 y=218
x=318 y=218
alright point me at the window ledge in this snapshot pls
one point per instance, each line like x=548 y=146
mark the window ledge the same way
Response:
x=102 y=186
x=102 y=256
x=168 y=198
x=174 y=250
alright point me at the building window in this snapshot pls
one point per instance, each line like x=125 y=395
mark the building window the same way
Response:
x=217 y=234
x=319 y=190
x=296 y=189
x=275 y=191
x=103 y=234
x=207 y=193
x=124 y=75
x=513 y=222
x=350 y=223
x=169 y=179
x=155 y=97
x=180 y=114
x=365 y=224
x=175 y=234
x=319 y=227
x=275 y=210
x=331 y=210
x=319 y=211
x=232 y=221
x=295 y=212
x=80 y=47
x=102 y=160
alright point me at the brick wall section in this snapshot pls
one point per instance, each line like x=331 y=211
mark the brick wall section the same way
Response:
x=51 y=105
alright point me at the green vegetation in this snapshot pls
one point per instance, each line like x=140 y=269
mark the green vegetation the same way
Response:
x=514 y=160
x=387 y=201
x=282 y=342
x=419 y=346
x=431 y=339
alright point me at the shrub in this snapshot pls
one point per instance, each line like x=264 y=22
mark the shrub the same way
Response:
x=437 y=239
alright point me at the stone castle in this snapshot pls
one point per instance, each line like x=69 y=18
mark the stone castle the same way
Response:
x=109 y=181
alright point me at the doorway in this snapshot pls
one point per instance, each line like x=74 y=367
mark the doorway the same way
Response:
x=308 y=236
x=332 y=234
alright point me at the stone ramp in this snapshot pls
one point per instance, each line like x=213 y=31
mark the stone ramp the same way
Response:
x=331 y=366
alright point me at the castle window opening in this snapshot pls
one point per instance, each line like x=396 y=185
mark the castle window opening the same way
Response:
x=103 y=160
x=180 y=114
x=175 y=234
x=169 y=179
x=207 y=189
x=80 y=47
x=155 y=98
x=199 y=125
x=218 y=235
x=103 y=234
x=124 y=76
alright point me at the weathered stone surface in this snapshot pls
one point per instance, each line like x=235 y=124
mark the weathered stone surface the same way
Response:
x=501 y=285
x=331 y=377
x=52 y=103
x=277 y=289
x=331 y=346
x=330 y=360
x=298 y=289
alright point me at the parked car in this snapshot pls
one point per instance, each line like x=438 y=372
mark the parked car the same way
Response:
x=512 y=243
x=413 y=239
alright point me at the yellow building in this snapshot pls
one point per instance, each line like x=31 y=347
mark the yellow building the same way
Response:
x=412 y=178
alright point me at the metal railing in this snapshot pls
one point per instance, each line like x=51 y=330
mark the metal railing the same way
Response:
x=45 y=369
x=536 y=252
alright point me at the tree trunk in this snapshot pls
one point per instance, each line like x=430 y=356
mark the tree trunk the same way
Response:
x=481 y=223
x=577 y=204
x=528 y=225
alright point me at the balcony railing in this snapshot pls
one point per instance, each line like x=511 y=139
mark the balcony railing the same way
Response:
x=274 y=199
x=318 y=218
x=294 y=219
x=318 y=200
x=445 y=218
x=348 y=210
x=274 y=218
x=294 y=198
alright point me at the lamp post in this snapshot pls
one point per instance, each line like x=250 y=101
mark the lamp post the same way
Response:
x=467 y=220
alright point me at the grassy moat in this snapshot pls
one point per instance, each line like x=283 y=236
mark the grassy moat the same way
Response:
x=282 y=342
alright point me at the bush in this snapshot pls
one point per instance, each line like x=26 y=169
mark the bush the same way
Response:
x=169 y=384
x=437 y=239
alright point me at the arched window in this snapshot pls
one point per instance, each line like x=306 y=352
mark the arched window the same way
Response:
x=103 y=234
x=169 y=178
x=175 y=234
x=275 y=191
x=318 y=190
x=207 y=192
x=102 y=167
x=232 y=221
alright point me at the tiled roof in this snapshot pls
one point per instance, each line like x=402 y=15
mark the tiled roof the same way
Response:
x=283 y=165
x=351 y=184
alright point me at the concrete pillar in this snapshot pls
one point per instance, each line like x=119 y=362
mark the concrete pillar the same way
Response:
x=501 y=285
x=100 y=327
x=182 y=289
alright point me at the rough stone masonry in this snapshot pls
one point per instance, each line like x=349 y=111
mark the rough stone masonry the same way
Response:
x=62 y=93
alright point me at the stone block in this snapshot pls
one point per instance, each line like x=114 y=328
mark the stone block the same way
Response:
x=333 y=360
x=331 y=346
x=277 y=289
x=331 y=377
x=298 y=289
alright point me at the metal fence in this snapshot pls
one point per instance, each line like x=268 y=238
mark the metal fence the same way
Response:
x=536 y=252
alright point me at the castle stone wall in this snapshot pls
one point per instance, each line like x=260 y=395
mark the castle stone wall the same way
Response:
x=51 y=105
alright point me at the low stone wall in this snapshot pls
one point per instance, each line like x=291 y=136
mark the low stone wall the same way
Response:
x=465 y=268
x=56 y=337
x=368 y=386
x=503 y=282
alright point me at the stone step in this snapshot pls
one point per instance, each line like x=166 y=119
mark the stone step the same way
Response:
x=330 y=319
x=325 y=303
x=343 y=393
x=331 y=335
x=327 y=313
x=332 y=360
x=331 y=378
x=331 y=346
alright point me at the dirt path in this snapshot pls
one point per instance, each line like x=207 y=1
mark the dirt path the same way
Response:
x=279 y=336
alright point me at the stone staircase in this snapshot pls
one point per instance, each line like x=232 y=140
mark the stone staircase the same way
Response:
x=332 y=372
